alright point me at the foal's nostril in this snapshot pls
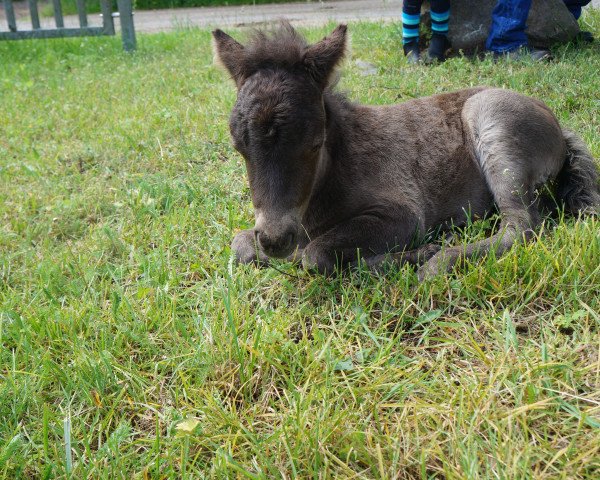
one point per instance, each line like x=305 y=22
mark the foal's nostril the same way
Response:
x=264 y=241
x=290 y=239
x=276 y=246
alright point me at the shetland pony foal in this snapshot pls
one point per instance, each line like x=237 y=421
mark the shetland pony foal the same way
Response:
x=330 y=178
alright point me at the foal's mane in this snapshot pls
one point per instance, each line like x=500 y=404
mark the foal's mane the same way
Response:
x=281 y=46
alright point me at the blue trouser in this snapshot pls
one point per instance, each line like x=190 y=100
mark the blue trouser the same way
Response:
x=509 y=21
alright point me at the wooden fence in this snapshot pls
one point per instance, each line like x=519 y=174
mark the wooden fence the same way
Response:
x=108 y=27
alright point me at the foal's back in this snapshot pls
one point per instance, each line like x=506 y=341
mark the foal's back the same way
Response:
x=440 y=155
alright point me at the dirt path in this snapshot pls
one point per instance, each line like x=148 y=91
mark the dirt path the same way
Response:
x=306 y=13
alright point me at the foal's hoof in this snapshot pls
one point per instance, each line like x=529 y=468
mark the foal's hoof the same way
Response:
x=424 y=273
x=437 y=264
x=246 y=251
x=316 y=260
x=324 y=268
x=376 y=264
x=427 y=252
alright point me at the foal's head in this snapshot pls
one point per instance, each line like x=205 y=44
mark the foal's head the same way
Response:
x=278 y=123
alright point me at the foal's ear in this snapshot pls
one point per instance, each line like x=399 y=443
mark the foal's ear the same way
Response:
x=230 y=54
x=321 y=58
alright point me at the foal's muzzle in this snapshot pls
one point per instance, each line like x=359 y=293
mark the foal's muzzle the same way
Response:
x=276 y=231
x=278 y=245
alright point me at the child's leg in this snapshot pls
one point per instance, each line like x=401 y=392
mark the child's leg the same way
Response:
x=411 y=17
x=574 y=6
x=440 y=14
x=509 y=20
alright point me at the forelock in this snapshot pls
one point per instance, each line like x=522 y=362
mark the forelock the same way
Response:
x=282 y=47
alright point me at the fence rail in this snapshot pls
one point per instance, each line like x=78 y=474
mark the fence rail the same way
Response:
x=125 y=15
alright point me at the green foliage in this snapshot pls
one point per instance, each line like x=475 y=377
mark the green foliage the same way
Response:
x=126 y=331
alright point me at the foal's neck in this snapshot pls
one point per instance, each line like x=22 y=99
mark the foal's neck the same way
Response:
x=338 y=112
x=330 y=188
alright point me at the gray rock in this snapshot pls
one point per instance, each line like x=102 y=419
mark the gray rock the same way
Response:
x=549 y=22
x=365 y=68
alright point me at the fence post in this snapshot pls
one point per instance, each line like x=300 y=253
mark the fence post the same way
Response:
x=107 y=20
x=10 y=15
x=83 y=22
x=127 y=28
x=35 y=16
x=58 y=16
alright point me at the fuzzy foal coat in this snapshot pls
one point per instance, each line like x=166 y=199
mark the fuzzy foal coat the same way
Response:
x=330 y=178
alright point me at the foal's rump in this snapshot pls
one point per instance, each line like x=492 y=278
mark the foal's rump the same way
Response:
x=519 y=146
x=494 y=148
x=515 y=136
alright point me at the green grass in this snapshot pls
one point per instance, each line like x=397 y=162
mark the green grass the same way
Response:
x=121 y=312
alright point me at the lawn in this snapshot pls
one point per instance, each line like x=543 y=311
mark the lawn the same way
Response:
x=131 y=346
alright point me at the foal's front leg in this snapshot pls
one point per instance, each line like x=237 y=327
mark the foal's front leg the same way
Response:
x=246 y=249
x=372 y=234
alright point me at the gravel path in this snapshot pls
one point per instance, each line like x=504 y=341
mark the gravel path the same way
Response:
x=312 y=13
x=306 y=13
